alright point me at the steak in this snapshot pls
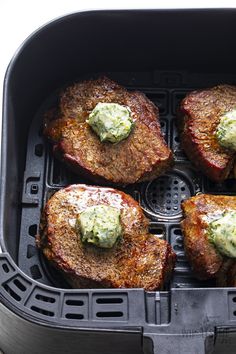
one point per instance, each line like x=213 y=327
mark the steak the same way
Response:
x=198 y=118
x=227 y=274
x=204 y=258
x=139 y=259
x=142 y=156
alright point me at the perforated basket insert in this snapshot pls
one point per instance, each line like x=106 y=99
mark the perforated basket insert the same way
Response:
x=161 y=199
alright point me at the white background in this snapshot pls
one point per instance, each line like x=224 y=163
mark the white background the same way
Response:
x=19 y=18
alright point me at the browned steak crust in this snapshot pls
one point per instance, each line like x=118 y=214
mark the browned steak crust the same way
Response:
x=143 y=155
x=206 y=261
x=199 y=116
x=139 y=259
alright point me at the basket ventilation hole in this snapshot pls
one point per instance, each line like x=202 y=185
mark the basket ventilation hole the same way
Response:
x=31 y=251
x=178 y=98
x=234 y=299
x=110 y=314
x=181 y=258
x=178 y=232
x=177 y=139
x=74 y=316
x=40 y=132
x=158 y=231
x=179 y=240
x=178 y=247
x=36 y=274
x=162 y=123
x=70 y=302
x=165 y=194
x=38 y=150
x=5 y=268
x=45 y=298
x=109 y=301
x=11 y=292
x=42 y=311
x=19 y=285
x=234 y=313
x=34 y=189
x=32 y=230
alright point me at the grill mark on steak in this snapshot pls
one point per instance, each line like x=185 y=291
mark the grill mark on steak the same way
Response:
x=143 y=153
x=139 y=259
x=198 y=118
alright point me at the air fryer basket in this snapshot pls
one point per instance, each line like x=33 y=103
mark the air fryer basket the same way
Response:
x=164 y=54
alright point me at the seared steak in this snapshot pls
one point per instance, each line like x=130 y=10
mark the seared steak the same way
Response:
x=138 y=259
x=199 y=116
x=205 y=259
x=144 y=155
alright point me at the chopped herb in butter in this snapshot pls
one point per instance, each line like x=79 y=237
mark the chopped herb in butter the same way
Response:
x=226 y=130
x=222 y=233
x=111 y=122
x=100 y=225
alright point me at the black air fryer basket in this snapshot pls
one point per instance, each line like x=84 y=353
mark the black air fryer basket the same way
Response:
x=164 y=54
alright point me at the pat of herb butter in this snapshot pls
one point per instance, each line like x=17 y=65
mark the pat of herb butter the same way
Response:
x=226 y=130
x=222 y=233
x=111 y=122
x=100 y=225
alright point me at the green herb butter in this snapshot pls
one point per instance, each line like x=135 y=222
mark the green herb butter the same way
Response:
x=222 y=233
x=111 y=121
x=226 y=130
x=100 y=225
